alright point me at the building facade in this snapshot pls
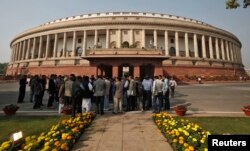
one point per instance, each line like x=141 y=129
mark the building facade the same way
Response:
x=118 y=43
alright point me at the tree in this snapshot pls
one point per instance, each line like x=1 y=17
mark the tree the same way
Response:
x=3 y=68
x=233 y=4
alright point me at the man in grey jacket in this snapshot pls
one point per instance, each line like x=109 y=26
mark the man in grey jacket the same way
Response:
x=99 y=90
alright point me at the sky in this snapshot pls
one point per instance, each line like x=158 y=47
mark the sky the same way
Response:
x=19 y=15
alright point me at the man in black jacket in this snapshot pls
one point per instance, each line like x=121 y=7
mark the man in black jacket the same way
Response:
x=22 y=88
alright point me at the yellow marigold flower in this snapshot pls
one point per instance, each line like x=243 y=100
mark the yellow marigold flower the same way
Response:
x=181 y=138
x=175 y=140
x=191 y=148
x=181 y=142
x=202 y=141
x=194 y=140
x=177 y=133
x=205 y=149
x=185 y=145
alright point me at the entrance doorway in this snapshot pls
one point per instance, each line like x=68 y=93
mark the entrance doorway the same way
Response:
x=125 y=70
x=105 y=70
x=147 y=70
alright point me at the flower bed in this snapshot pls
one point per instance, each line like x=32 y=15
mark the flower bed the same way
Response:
x=182 y=134
x=61 y=137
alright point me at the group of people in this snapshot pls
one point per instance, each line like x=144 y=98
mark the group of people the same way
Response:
x=80 y=92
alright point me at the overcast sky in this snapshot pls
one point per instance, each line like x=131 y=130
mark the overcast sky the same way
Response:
x=19 y=15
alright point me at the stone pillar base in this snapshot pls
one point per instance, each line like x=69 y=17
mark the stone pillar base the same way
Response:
x=217 y=64
x=184 y=62
x=202 y=63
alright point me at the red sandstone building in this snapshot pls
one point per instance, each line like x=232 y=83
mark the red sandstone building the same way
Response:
x=116 y=43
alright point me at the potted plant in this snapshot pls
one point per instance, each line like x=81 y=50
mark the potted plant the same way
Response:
x=10 y=109
x=180 y=110
x=246 y=110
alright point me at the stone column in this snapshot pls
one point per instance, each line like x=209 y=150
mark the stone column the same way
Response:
x=20 y=51
x=227 y=49
x=232 y=52
x=166 y=43
x=17 y=51
x=84 y=43
x=119 y=39
x=64 y=44
x=204 y=52
x=34 y=48
x=131 y=38
x=40 y=47
x=55 y=46
x=107 y=38
x=143 y=38
x=23 y=52
x=28 y=50
x=186 y=45
x=195 y=46
x=177 y=44
x=211 y=51
x=74 y=44
x=14 y=53
x=96 y=38
x=217 y=48
x=47 y=47
x=155 y=39
x=222 y=49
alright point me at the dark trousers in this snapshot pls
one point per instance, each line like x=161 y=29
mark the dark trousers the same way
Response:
x=51 y=99
x=99 y=101
x=147 y=100
x=157 y=102
x=172 y=91
x=131 y=103
x=21 y=94
x=41 y=98
x=37 y=101
x=76 y=105
x=166 y=99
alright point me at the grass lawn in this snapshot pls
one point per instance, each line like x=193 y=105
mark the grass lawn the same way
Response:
x=30 y=125
x=223 y=125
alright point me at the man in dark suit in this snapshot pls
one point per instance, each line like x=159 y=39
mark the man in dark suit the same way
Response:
x=22 y=88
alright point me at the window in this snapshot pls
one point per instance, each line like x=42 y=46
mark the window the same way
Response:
x=125 y=32
x=171 y=40
x=137 y=32
x=112 y=32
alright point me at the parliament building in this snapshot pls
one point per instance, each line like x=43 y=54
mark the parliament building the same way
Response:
x=118 y=43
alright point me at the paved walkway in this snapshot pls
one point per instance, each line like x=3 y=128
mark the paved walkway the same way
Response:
x=133 y=131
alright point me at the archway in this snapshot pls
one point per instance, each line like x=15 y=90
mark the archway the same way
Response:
x=113 y=44
x=105 y=70
x=147 y=70
x=125 y=44
x=137 y=44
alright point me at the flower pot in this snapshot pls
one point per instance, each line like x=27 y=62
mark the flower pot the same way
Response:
x=9 y=111
x=180 y=112
x=246 y=111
